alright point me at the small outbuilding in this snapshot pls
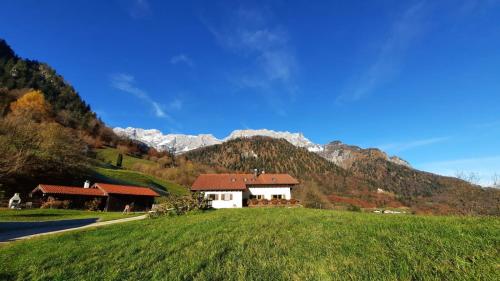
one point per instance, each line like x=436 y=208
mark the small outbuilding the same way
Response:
x=117 y=196
x=111 y=197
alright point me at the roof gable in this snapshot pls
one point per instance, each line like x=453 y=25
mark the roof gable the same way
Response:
x=240 y=181
x=125 y=189
x=68 y=190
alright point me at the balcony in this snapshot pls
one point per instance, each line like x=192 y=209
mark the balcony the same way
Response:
x=272 y=203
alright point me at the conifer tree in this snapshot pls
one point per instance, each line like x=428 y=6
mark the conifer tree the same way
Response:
x=119 y=160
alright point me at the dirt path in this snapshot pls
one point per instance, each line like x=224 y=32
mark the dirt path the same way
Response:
x=40 y=229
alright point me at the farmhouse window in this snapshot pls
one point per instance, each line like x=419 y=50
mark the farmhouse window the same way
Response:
x=257 y=196
x=213 y=196
x=278 y=196
x=227 y=196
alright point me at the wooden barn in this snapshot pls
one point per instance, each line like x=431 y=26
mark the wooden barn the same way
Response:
x=111 y=197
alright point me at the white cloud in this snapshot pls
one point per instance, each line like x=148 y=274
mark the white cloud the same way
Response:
x=272 y=64
x=387 y=63
x=126 y=83
x=182 y=58
x=402 y=146
x=485 y=167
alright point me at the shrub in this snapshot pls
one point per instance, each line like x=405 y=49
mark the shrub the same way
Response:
x=354 y=208
x=93 y=205
x=52 y=203
x=179 y=205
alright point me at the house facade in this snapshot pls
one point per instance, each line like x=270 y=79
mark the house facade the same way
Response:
x=112 y=197
x=239 y=190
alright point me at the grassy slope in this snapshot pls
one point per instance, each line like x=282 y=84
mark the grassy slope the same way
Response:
x=265 y=244
x=137 y=178
x=53 y=214
x=109 y=155
x=121 y=176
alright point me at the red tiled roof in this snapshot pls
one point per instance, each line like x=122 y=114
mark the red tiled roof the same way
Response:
x=69 y=190
x=240 y=181
x=125 y=189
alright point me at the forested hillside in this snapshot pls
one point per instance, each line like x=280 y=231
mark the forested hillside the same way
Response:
x=273 y=155
x=47 y=132
x=19 y=75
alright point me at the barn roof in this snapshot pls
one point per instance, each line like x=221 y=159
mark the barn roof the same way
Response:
x=125 y=189
x=69 y=190
x=240 y=181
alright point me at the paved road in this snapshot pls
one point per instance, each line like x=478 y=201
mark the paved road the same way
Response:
x=10 y=231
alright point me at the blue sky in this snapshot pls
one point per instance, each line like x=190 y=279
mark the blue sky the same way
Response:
x=419 y=79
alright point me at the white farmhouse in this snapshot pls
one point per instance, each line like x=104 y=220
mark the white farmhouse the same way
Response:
x=235 y=190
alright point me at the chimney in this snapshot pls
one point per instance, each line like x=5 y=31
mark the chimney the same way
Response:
x=86 y=184
x=255 y=173
x=263 y=171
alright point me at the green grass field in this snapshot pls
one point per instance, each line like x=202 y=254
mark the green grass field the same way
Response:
x=55 y=214
x=265 y=244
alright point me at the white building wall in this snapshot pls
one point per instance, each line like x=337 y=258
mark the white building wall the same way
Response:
x=237 y=201
x=268 y=192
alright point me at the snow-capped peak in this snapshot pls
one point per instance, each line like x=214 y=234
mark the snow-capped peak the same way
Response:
x=178 y=142
x=183 y=143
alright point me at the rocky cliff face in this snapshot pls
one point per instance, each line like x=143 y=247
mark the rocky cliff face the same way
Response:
x=345 y=155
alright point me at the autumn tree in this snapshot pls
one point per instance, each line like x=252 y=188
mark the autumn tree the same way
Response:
x=61 y=151
x=19 y=142
x=32 y=149
x=31 y=105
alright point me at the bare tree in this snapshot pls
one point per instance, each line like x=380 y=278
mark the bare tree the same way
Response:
x=171 y=153
x=495 y=180
x=470 y=177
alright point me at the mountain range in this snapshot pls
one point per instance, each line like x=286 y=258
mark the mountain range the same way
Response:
x=340 y=154
x=332 y=175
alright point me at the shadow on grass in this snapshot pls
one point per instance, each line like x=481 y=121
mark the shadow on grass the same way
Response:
x=37 y=215
x=13 y=230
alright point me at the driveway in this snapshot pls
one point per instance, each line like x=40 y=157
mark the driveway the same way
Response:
x=10 y=231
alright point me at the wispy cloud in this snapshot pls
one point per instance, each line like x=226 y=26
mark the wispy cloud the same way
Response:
x=126 y=83
x=485 y=167
x=402 y=146
x=272 y=64
x=176 y=104
x=402 y=35
x=476 y=6
x=182 y=58
x=488 y=125
x=139 y=9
